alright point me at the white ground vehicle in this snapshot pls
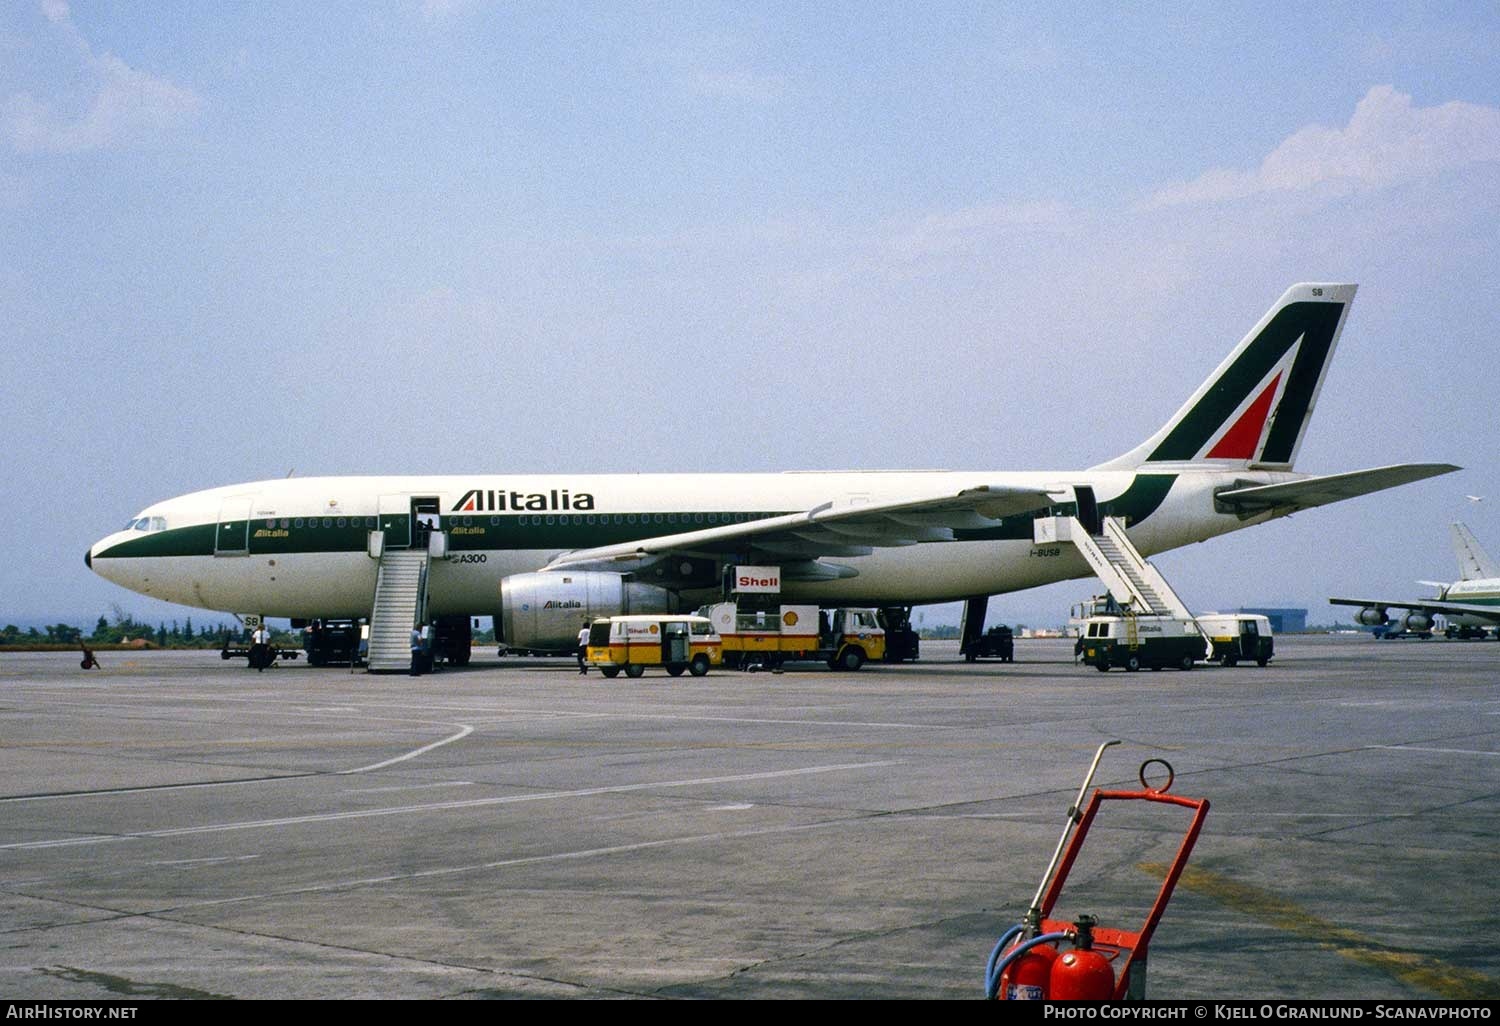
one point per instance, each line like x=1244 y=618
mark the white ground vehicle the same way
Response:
x=1137 y=641
x=1237 y=636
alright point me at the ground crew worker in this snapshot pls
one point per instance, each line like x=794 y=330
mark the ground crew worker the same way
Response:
x=416 y=650
x=260 y=648
x=583 y=649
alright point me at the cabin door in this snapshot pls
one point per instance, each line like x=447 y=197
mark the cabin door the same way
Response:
x=426 y=517
x=1088 y=510
x=232 y=535
x=395 y=520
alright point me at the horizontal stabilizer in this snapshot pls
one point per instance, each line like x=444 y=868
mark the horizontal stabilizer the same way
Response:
x=1320 y=491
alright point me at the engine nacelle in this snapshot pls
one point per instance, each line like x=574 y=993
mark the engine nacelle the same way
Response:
x=1416 y=621
x=543 y=611
x=1371 y=617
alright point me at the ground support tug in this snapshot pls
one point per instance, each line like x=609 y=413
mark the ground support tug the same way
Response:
x=259 y=657
x=999 y=642
x=333 y=642
x=902 y=642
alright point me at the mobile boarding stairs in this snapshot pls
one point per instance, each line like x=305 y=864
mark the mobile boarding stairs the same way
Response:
x=400 y=600
x=1136 y=585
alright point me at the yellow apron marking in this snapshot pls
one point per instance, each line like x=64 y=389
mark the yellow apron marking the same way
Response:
x=1449 y=981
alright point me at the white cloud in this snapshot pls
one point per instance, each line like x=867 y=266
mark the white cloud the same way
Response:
x=127 y=104
x=1388 y=140
x=966 y=230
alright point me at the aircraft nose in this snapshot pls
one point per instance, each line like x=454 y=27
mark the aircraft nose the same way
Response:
x=88 y=558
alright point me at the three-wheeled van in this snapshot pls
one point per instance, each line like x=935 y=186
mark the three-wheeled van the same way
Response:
x=1237 y=636
x=675 y=642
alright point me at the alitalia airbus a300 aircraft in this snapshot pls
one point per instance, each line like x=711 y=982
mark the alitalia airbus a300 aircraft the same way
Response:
x=545 y=552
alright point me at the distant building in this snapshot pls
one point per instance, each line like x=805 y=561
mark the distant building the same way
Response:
x=1283 y=621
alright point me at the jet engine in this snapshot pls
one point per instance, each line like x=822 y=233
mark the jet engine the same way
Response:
x=1370 y=616
x=542 y=611
x=1416 y=621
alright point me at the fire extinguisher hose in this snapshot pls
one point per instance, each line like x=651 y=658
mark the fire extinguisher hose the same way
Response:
x=989 y=966
x=994 y=970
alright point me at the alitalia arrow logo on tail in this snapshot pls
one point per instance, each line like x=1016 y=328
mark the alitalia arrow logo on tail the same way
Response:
x=1243 y=436
x=1255 y=407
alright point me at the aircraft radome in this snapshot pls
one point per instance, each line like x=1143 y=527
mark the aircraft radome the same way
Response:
x=544 y=552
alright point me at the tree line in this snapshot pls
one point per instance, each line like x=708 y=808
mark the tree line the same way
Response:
x=124 y=629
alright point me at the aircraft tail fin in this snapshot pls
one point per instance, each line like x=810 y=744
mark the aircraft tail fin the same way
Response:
x=1473 y=562
x=1254 y=409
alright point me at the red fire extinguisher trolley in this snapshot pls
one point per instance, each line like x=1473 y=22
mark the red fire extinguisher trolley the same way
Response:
x=1028 y=964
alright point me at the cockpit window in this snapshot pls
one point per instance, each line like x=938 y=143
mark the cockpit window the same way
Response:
x=147 y=524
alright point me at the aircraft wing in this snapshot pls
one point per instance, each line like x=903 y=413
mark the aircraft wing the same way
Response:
x=829 y=529
x=1320 y=491
x=1425 y=606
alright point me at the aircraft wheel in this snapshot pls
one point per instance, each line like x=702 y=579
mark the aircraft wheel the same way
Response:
x=675 y=669
x=610 y=671
x=699 y=666
x=634 y=669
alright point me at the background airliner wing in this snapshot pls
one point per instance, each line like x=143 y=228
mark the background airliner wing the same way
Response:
x=1319 y=491
x=1426 y=606
x=850 y=528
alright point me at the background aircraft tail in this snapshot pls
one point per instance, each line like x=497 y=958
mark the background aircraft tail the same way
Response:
x=1254 y=409
x=1474 y=564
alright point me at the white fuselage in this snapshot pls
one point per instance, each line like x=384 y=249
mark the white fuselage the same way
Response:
x=297 y=547
x=1483 y=591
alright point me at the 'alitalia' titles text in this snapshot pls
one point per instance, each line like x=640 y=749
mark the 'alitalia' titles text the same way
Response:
x=492 y=500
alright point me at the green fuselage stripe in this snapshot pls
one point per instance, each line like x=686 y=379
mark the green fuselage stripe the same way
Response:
x=469 y=532
x=466 y=532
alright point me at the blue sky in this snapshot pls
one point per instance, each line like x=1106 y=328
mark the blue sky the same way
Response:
x=449 y=236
